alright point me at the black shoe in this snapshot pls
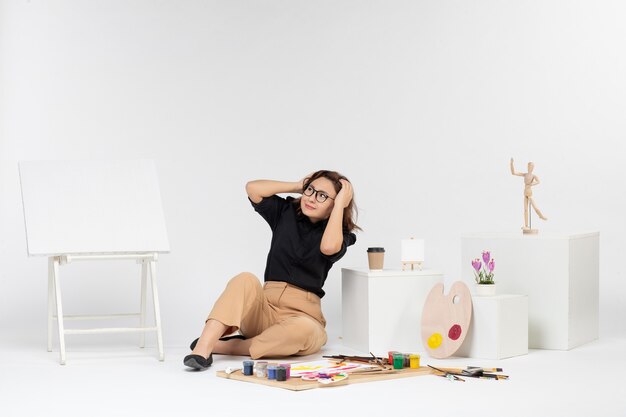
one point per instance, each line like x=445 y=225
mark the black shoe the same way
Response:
x=198 y=362
x=192 y=346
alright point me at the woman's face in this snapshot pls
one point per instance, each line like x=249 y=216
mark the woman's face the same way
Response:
x=311 y=205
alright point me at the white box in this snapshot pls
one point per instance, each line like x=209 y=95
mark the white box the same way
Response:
x=382 y=310
x=499 y=328
x=559 y=273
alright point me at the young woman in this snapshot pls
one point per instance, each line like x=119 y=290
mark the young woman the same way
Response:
x=284 y=316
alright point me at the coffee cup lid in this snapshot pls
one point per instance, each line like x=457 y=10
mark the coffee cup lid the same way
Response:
x=375 y=249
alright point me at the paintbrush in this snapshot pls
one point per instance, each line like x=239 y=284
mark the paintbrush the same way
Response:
x=493 y=376
x=373 y=360
x=474 y=373
x=364 y=359
x=377 y=371
x=471 y=368
x=447 y=374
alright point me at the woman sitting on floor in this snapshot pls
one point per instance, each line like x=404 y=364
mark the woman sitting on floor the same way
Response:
x=284 y=316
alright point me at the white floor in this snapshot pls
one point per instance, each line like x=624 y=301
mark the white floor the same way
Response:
x=119 y=380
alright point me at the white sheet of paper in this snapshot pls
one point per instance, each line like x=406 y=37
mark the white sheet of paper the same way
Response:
x=79 y=207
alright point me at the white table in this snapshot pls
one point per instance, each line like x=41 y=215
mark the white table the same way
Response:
x=499 y=327
x=558 y=272
x=382 y=310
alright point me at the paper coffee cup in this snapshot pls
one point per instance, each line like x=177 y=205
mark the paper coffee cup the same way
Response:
x=376 y=258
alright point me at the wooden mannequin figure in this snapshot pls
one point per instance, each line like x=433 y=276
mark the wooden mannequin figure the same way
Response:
x=530 y=180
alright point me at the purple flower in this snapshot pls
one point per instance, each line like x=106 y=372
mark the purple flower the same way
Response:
x=483 y=272
x=476 y=264
x=486 y=256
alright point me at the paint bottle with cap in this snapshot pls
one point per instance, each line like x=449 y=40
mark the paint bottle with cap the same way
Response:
x=390 y=354
x=248 y=368
x=287 y=367
x=281 y=373
x=271 y=371
x=260 y=369
x=398 y=360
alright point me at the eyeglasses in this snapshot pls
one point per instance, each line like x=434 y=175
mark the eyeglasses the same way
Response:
x=320 y=196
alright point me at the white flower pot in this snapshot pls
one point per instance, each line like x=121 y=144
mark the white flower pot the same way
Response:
x=485 y=289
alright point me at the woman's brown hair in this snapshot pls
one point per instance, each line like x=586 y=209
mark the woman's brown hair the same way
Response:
x=350 y=213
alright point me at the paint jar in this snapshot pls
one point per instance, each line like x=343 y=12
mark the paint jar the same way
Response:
x=398 y=360
x=271 y=371
x=390 y=354
x=407 y=360
x=287 y=367
x=260 y=369
x=248 y=368
x=281 y=373
x=415 y=361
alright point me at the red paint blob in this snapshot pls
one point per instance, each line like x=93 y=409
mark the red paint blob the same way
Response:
x=455 y=332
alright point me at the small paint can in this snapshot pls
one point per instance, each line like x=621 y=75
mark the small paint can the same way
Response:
x=248 y=368
x=390 y=355
x=271 y=371
x=407 y=360
x=415 y=361
x=287 y=367
x=398 y=360
x=281 y=373
x=260 y=369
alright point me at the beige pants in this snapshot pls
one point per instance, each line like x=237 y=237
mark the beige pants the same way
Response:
x=281 y=319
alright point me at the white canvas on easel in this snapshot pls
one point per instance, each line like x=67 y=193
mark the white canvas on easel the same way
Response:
x=412 y=253
x=73 y=207
x=94 y=210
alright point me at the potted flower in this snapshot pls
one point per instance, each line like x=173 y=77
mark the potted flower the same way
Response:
x=483 y=274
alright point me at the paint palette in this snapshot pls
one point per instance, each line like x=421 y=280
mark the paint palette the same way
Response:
x=446 y=319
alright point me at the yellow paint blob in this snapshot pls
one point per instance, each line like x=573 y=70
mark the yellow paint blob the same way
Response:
x=434 y=341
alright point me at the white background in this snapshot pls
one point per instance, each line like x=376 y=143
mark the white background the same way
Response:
x=420 y=103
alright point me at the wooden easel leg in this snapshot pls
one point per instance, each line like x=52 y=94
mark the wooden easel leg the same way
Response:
x=157 y=310
x=142 y=312
x=59 y=304
x=51 y=301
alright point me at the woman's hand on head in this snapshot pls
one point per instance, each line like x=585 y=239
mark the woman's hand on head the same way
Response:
x=345 y=194
x=303 y=181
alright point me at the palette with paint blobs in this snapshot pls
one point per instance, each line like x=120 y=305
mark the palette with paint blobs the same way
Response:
x=446 y=319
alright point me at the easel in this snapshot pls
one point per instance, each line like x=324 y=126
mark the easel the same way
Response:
x=412 y=253
x=95 y=211
x=412 y=263
x=148 y=270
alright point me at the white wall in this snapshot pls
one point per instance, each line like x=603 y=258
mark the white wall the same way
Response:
x=420 y=103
